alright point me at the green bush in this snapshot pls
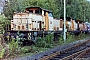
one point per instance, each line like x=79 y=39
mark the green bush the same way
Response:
x=61 y=41
x=4 y=23
x=69 y=38
x=24 y=50
x=2 y=51
x=40 y=42
x=13 y=46
x=46 y=42
x=49 y=38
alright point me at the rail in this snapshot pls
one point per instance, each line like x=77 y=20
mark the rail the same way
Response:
x=60 y=54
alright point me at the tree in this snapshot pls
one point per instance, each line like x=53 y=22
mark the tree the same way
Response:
x=20 y=5
x=78 y=9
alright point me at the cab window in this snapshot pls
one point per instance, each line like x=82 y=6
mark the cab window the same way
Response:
x=50 y=15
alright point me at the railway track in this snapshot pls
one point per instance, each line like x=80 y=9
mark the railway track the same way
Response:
x=76 y=51
x=85 y=54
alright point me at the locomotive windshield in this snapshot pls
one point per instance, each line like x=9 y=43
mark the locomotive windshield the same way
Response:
x=50 y=15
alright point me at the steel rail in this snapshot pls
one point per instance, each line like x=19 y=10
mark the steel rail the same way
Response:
x=59 y=52
x=80 y=53
x=83 y=53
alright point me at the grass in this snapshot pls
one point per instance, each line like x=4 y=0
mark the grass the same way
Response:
x=72 y=38
x=2 y=51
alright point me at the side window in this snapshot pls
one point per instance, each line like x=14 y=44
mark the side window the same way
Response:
x=30 y=26
x=18 y=27
x=23 y=27
x=38 y=11
x=31 y=11
x=50 y=15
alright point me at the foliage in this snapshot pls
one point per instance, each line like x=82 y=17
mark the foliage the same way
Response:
x=46 y=42
x=77 y=9
x=61 y=41
x=2 y=51
x=49 y=38
x=70 y=38
x=12 y=6
x=24 y=50
x=83 y=35
x=3 y=23
x=13 y=47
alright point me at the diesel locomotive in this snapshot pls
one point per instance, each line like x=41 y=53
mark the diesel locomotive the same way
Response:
x=38 y=22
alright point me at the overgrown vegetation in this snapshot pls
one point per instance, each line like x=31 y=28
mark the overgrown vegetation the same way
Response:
x=13 y=47
x=45 y=43
x=3 y=24
x=72 y=38
x=2 y=51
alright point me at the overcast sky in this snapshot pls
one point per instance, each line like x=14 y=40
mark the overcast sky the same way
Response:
x=1 y=4
x=88 y=0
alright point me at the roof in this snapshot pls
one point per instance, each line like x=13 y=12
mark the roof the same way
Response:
x=39 y=8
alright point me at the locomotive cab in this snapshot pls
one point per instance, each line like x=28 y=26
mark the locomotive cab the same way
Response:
x=38 y=10
x=47 y=18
